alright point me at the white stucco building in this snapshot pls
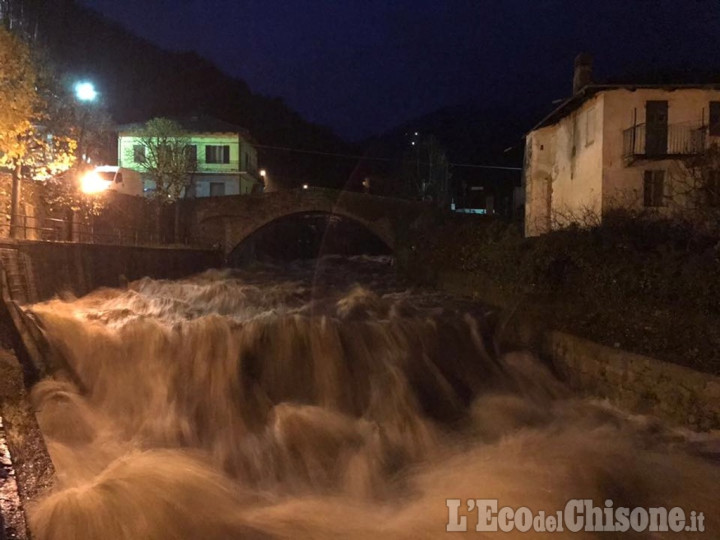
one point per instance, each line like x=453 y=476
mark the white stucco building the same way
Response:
x=610 y=146
x=225 y=155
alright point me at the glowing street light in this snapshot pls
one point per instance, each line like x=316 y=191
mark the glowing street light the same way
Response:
x=85 y=91
x=92 y=184
x=263 y=173
x=305 y=186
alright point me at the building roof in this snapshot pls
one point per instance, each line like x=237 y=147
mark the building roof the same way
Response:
x=575 y=102
x=194 y=124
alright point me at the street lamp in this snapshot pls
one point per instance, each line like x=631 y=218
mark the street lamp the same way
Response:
x=85 y=91
x=263 y=180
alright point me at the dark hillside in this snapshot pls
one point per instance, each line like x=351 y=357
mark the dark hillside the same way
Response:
x=139 y=80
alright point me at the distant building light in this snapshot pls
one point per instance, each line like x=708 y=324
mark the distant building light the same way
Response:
x=305 y=186
x=480 y=211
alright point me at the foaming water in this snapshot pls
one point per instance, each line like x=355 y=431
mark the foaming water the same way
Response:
x=321 y=401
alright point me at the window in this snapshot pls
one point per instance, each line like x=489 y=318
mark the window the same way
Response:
x=163 y=154
x=715 y=118
x=217 y=154
x=217 y=189
x=579 y=134
x=654 y=188
x=191 y=154
x=110 y=176
x=712 y=189
x=138 y=153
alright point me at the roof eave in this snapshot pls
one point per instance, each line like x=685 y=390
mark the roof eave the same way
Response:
x=592 y=89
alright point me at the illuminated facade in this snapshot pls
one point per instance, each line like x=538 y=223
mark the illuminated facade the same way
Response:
x=611 y=146
x=225 y=156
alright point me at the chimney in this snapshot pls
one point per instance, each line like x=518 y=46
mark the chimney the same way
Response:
x=582 y=75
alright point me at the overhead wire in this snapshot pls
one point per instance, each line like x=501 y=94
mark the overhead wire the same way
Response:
x=369 y=158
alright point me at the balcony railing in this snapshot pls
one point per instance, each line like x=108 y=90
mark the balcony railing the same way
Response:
x=663 y=142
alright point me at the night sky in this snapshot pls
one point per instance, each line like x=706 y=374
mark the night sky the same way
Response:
x=364 y=66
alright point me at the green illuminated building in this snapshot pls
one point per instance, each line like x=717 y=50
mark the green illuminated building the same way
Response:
x=225 y=155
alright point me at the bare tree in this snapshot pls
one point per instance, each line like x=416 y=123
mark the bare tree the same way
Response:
x=696 y=188
x=170 y=162
x=168 y=158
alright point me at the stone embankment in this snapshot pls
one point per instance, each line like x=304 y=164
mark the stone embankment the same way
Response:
x=634 y=382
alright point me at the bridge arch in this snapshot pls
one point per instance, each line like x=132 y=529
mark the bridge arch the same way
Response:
x=302 y=235
x=228 y=221
x=235 y=229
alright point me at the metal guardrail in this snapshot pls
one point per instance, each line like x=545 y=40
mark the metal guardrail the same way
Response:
x=62 y=230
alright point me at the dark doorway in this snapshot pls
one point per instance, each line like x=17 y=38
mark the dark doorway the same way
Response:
x=656 y=128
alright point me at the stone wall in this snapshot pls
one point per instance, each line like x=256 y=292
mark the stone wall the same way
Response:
x=126 y=219
x=207 y=221
x=631 y=381
x=230 y=220
x=635 y=382
x=122 y=219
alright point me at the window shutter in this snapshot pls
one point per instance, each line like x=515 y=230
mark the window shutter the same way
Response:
x=139 y=153
x=654 y=189
x=713 y=188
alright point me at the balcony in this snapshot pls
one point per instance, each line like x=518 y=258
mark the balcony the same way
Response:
x=232 y=166
x=663 y=142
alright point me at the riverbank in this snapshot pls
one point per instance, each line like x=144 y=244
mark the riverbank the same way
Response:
x=648 y=287
x=634 y=382
x=26 y=472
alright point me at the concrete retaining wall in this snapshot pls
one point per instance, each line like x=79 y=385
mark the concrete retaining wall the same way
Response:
x=631 y=381
x=46 y=269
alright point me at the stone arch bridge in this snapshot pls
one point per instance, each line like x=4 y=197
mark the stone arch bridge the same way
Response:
x=228 y=221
